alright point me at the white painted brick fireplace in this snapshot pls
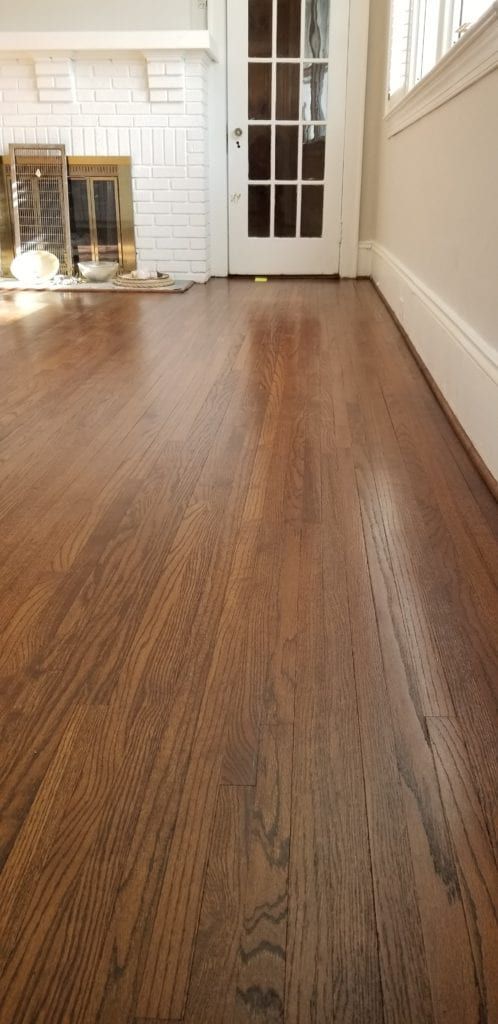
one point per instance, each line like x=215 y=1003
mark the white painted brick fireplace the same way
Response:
x=152 y=107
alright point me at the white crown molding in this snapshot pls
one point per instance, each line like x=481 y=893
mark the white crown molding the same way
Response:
x=473 y=57
x=19 y=43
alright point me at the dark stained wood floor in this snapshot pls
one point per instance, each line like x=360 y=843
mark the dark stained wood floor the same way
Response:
x=248 y=619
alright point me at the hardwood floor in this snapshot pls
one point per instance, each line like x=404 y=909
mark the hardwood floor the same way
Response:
x=248 y=667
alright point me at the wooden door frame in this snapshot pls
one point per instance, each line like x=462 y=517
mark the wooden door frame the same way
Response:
x=359 y=11
x=354 y=128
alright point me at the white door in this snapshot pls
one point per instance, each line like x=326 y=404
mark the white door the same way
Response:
x=287 y=65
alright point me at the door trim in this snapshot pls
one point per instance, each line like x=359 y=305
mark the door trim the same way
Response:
x=217 y=140
x=356 y=88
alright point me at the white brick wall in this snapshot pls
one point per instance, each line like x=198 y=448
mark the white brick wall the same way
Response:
x=154 y=110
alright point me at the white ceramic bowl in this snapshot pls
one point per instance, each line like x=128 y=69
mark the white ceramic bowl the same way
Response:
x=92 y=270
x=35 y=267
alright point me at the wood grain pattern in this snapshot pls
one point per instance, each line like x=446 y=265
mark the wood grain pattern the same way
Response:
x=398 y=913
x=476 y=865
x=332 y=953
x=453 y=985
x=214 y=968
x=260 y=983
x=248 y=667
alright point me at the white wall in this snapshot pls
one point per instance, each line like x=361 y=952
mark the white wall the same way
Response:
x=60 y=15
x=430 y=206
x=374 y=111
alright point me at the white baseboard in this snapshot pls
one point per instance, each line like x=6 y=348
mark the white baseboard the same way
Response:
x=461 y=362
x=364 y=259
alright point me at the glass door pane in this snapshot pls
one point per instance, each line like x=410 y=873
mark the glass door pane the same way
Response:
x=259 y=152
x=259 y=211
x=260 y=28
x=260 y=92
x=315 y=87
x=287 y=92
x=286 y=152
x=288 y=89
x=313 y=152
x=316 y=31
x=312 y=211
x=288 y=28
x=285 y=211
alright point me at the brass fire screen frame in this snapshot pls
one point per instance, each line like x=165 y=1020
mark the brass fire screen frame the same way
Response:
x=40 y=200
x=92 y=168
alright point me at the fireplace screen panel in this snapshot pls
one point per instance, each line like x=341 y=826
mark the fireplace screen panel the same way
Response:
x=94 y=215
x=106 y=218
x=79 y=215
x=40 y=201
x=100 y=211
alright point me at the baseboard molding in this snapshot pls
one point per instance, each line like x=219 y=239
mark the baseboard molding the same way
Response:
x=460 y=365
x=364 y=259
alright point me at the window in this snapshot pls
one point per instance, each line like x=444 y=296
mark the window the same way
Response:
x=422 y=31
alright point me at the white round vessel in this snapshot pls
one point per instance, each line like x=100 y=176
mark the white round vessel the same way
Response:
x=92 y=270
x=35 y=267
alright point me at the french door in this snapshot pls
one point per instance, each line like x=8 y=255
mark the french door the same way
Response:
x=287 y=65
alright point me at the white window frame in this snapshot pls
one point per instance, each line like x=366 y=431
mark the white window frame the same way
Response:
x=460 y=62
x=449 y=33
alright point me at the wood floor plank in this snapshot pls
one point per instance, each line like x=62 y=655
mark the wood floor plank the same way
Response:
x=31 y=734
x=214 y=967
x=64 y=926
x=446 y=939
x=474 y=584
x=332 y=970
x=372 y=431
x=269 y=688
x=265 y=694
x=165 y=979
x=471 y=668
x=282 y=594
x=259 y=991
x=239 y=544
x=176 y=472
x=399 y=926
x=120 y=971
x=22 y=868
x=476 y=507
x=425 y=564
x=138 y=922
x=476 y=864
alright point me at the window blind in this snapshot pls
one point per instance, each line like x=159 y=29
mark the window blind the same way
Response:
x=401 y=21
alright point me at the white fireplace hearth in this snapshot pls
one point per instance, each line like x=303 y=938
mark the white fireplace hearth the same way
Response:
x=151 y=106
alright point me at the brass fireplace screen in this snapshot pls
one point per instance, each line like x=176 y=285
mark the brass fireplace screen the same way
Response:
x=100 y=208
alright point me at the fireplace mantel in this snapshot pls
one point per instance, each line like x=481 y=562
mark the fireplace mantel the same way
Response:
x=21 y=44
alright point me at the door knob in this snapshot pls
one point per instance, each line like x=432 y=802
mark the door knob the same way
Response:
x=238 y=133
